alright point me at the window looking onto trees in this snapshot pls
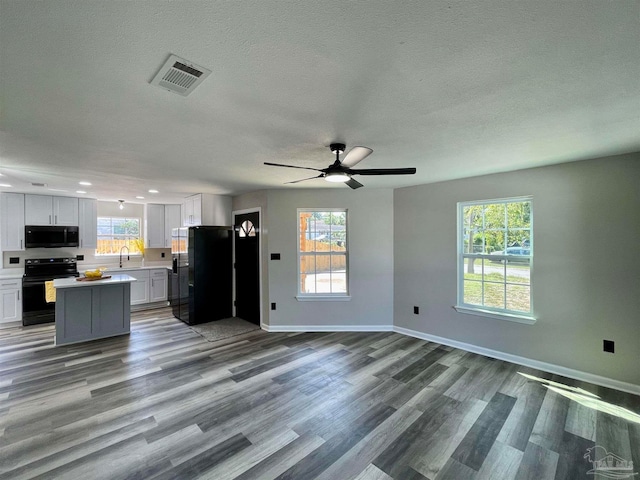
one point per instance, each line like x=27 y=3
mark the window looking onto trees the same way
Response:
x=117 y=232
x=495 y=245
x=322 y=252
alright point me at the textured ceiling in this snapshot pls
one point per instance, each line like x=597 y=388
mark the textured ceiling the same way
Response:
x=455 y=89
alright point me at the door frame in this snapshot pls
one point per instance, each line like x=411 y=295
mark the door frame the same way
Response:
x=233 y=221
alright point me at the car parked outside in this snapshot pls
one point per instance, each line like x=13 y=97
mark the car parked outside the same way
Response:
x=523 y=252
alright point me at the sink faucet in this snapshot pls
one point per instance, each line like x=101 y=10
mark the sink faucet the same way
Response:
x=123 y=247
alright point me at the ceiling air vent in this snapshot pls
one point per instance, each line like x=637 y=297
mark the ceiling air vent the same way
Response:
x=180 y=76
x=38 y=184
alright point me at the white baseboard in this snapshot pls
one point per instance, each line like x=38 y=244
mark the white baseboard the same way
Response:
x=327 y=328
x=527 y=362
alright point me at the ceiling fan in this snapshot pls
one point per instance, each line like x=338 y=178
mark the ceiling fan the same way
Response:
x=341 y=172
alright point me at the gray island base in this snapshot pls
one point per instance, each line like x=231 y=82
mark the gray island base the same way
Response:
x=92 y=310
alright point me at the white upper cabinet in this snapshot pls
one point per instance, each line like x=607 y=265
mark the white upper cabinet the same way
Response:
x=154 y=226
x=38 y=210
x=206 y=209
x=65 y=211
x=12 y=221
x=48 y=210
x=88 y=222
x=171 y=220
x=189 y=211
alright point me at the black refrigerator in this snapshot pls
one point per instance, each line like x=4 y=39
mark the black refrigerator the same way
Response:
x=201 y=282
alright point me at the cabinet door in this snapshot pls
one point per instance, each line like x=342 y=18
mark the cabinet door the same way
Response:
x=139 y=288
x=140 y=291
x=187 y=212
x=197 y=210
x=38 y=210
x=12 y=221
x=158 y=285
x=171 y=221
x=155 y=226
x=65 y=211
x=88 y=222
x=10 y=306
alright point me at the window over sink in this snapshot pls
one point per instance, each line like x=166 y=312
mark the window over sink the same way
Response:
x=117 y=232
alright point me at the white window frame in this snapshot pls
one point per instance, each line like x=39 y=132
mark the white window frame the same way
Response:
x=98 y=236
x=484 y=311
x=336 y=297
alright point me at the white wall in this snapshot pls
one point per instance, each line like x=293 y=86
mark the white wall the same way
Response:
x=586 y=278
x=112 y=209
x=370 y=231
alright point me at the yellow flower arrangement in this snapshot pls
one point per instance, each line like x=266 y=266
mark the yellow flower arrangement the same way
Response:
x=139 y=244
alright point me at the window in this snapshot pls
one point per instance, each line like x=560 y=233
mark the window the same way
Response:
x=322 y=253
x=117 y=232
x=495 y=254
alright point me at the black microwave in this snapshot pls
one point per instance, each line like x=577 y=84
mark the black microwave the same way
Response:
x=37 y=236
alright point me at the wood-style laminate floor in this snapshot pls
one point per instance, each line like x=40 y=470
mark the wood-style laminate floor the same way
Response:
x=165 y=403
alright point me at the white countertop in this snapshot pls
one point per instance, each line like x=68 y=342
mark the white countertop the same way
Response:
x=73 y=283
x=112 y=269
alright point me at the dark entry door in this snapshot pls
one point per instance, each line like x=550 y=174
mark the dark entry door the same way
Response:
x=247 y=232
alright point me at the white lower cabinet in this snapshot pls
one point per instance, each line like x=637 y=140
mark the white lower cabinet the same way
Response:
x=150 y=285
x=139 y=288
x=10 y=301
x=158 y=287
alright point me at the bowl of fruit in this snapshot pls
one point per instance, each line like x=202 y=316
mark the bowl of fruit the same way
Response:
x=93 y=274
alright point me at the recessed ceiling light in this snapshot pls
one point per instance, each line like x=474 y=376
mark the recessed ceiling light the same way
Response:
x=1 y=175
x=4 y=185
x=141 y=198
x=80 y=191
x=86 y=184
x=153 y=191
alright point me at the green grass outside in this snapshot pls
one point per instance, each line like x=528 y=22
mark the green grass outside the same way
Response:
x=496 y=277
x=518 y=296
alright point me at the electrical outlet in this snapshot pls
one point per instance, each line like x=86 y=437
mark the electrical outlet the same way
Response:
x=608 y=346
x=162 y=254
x=79 y=257
x=416 y=310
x=273 y=305
x=14 y=260
x=275 y=256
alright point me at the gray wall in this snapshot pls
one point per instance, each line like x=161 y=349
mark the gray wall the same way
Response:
x=370 y=231
x=586 y=275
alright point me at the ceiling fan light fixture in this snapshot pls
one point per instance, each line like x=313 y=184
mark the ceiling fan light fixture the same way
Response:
x=337 y=177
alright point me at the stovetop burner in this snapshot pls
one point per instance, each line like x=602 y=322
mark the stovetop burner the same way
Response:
x=49 y=268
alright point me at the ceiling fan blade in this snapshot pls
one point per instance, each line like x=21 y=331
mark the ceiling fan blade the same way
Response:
x=291 y=166
x=355 y=155
x=383 y=171
x=354 y=184
x=303 y=179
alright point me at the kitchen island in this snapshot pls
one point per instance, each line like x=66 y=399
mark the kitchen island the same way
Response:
x=88 y=310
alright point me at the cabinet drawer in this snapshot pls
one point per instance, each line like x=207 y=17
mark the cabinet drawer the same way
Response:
x=10 y=284
x=159 y=273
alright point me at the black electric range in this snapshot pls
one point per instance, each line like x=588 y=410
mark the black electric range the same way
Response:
x=37 y=271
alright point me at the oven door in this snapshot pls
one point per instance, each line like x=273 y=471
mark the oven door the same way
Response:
x=35 y=309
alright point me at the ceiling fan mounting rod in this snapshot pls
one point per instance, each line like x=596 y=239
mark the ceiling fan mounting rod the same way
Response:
x=337 y=148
